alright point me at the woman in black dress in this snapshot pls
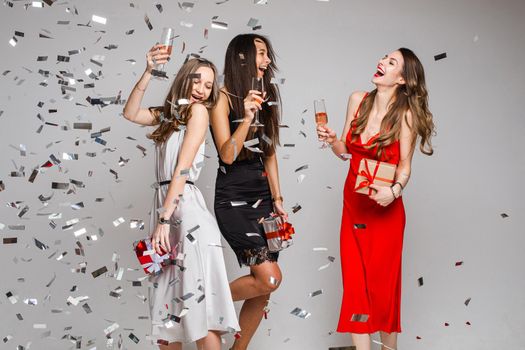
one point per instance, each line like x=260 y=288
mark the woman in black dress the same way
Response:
x=247 y=187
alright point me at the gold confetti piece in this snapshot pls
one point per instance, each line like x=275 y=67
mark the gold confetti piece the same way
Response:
x=238 y=203
x=253 y=234
x=300 y=178
x=296 y=208
x=274 y=281
x=359 y=318
x=256 y=204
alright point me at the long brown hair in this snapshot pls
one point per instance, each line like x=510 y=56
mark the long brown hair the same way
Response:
x=413 y=97
x=172 y=115
x=239 y=68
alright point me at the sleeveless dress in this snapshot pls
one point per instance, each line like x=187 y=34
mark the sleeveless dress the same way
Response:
x=197 y=285
x=242 y=198
x=370 y=254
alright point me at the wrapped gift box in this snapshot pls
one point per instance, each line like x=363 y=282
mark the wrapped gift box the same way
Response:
x=374 y=172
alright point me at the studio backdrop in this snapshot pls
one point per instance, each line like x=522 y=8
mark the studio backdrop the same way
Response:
x=75 y=179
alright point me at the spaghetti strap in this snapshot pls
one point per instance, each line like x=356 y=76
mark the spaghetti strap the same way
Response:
x=360 y=104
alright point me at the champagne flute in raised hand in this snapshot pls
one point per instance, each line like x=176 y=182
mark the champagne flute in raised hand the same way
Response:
x=258 y=84
x=321 y=118
x=166 y=40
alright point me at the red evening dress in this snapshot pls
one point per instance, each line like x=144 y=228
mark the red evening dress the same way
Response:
x=371 y=248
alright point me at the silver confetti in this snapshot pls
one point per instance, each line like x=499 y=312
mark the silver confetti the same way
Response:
x=300 y=313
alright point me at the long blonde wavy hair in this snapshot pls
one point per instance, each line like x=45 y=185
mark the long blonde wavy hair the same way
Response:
x=172 y=115
x=413 y=97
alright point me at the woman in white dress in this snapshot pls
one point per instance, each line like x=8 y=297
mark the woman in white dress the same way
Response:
x=190 y=301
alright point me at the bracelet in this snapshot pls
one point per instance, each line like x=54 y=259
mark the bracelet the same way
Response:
x=393 y=193
x=275 y=199
x=163 y=221
x=400 y=184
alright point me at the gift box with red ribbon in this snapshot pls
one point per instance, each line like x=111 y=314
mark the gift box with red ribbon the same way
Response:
x=278 y=233
x=374 y=172
x=149 y=259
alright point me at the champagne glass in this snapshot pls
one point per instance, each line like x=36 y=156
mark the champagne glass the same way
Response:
x=166 y=40
x=321 y=118
x=258 y=84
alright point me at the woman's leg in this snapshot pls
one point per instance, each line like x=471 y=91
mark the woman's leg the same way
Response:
x=255 y=289
x=361 y=341
x=263 y=279
x=171 y=346
x=389 y=340
x=210 y=342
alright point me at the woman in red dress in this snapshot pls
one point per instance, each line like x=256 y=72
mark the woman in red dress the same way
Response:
x=382 y=125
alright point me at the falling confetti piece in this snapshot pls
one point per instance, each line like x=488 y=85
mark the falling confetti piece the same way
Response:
x=440 y=56
x=98 y=19
x=300 y=313
x=420 y=281
x=359 y=318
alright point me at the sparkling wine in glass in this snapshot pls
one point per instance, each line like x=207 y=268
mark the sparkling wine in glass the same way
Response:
x=321 y=117
x=258 y=84
x=166 y=40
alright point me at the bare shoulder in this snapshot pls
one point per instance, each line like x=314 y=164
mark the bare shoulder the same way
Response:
x=356 y=97
x=353 y=103
x=199 y=112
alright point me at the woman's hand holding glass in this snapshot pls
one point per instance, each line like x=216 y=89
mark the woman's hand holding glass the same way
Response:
x=158 y=54
x=252 y=104
x=325 y=134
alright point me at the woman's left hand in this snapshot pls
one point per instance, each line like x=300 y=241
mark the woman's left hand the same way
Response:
x=160 y=239
x=279 y=210
x=382 y=195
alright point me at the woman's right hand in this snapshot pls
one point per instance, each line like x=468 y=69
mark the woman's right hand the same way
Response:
x=158 y=54
x=324 y=133
x=252 y=103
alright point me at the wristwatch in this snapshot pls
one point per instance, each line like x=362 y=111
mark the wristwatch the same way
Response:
x=163 y=221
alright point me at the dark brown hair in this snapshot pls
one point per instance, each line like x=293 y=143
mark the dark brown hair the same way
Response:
x=411 y=96
x=239 y=68
x=172 y=115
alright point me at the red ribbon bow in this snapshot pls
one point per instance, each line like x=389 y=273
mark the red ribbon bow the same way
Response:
x=286 y=231
x=369 y=178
